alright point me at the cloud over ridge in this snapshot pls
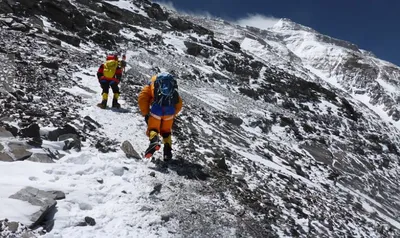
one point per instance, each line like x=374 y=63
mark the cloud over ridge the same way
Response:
x=257 y=20
x=254 y=20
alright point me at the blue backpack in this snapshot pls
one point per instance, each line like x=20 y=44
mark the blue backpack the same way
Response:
x=165 y=90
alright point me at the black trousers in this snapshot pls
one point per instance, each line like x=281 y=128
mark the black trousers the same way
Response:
x=105 y=85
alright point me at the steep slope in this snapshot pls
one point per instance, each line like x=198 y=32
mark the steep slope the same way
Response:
x=269 y=143
x=369 y=79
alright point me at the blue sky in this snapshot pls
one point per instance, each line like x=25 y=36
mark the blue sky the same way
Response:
x=373 y=25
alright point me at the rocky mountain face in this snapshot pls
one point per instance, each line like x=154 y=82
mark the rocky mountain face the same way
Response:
x=293 y=133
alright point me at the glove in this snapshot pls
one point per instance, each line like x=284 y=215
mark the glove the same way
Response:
x=123 y=63
x=146 y=118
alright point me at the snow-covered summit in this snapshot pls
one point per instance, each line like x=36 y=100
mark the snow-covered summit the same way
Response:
x=287 y=24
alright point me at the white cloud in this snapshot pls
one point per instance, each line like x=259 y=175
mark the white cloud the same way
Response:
x=170 y=5
x=255 y=20
x=258 y=20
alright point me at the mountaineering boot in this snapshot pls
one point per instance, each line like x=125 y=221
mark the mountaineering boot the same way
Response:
x=103 y=103
x=115 y=103
x=167 y=152
x=154 y=144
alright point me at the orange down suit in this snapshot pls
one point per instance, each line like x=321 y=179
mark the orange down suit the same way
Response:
x=161 y=118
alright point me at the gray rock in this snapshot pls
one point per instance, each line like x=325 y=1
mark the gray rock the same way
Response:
x=7 y=20
x=184 y=25
x=70 y=39
x=153 y=174
x=41 y=158
x=5 y=133
x=320 y=152
x=235 y=45
x=82 y=223
x=5 y=157
x=129 y=151
x=33 y=130
x=221 y=163
x=43 y=199
x=167 y=217
x=19 y=150
x=50 y=64
x=67 y=129
x=155 y=11
x=146 y=209
x=58 y=195
x=12 y=129
x=71 y=141
x=234 y=120
x=193 y=48
x=19 y=26
x=90 y=221
x=157 y=189
x=35 y=142
x=13 y=226
x=1 y=147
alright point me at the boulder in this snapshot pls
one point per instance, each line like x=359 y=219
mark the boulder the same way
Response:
x=45 y=200
x=103 y=38
x=90 y=124
x=217 y=44
x=13 y=226
x=193 y=48
x=181 y=24
x=234 y=120
x=156 y=189
x=35 y=142
x=33 y=130
x=5 y=133
x=63 y=12
x=105 y=145
x=124 y=15
x=235 y=45
x=50 y=64
x=167 y=217
x=320 y=152
x=70 y=39
x=11 y=229
x=129 y=151
x=90 y=221
x=20 y=150
x=4 y=157
x=41 y=158
x=19 y=27
x=58 y=195
x=71 y=141
x=156 y=12
x=12 y=129
x=67 y=129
